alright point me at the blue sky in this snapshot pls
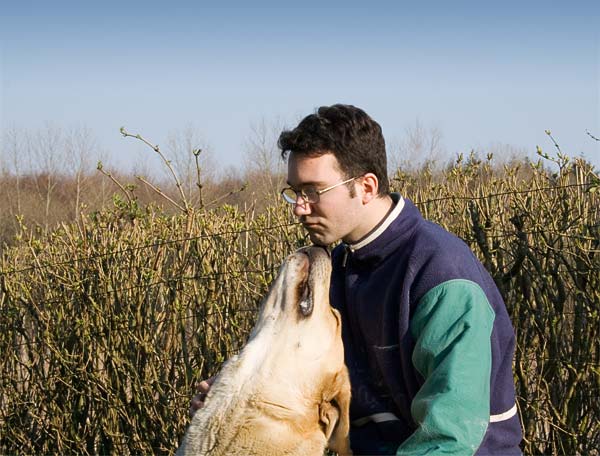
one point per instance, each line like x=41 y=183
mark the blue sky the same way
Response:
x=483 y=73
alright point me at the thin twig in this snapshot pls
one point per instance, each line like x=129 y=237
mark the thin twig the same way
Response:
x=100 y=168
x=549 y=133
x=186 y=207
x=232 y=192
x=161 y=193
x=592 y=136
x=196 y=153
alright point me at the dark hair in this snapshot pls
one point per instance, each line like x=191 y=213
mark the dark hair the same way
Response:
x=346 y=131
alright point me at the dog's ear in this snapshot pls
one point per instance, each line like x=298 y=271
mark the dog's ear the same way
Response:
x=335 y=414
x=329 y=415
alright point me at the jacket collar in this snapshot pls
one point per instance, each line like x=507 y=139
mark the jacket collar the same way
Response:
x=392 y=233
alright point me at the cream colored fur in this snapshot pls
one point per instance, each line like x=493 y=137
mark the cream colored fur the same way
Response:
x=288 y=391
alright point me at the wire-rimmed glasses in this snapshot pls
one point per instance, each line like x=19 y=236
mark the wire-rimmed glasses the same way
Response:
x=308 y=194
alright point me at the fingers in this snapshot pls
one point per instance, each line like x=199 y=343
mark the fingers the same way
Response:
x=196 y=404
x=203 y=387
x=198 y=400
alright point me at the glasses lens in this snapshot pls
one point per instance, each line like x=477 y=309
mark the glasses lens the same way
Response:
x=289 y=195
x=310 y=195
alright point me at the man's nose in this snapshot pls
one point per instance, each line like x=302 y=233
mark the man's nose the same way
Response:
x=301 y=207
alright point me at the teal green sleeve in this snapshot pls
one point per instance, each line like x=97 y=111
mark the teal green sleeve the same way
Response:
x=452 y=329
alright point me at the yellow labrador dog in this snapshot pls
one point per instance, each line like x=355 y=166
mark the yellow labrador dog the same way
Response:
x=288 y=391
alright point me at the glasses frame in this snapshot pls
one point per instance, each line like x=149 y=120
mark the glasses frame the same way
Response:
x=301 y=194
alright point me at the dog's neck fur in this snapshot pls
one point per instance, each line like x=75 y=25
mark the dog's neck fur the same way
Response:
x=240 y=388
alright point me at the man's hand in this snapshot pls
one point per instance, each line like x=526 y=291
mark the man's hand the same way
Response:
x=202 y=390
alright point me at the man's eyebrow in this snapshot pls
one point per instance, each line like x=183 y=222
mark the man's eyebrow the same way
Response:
x=307 y=184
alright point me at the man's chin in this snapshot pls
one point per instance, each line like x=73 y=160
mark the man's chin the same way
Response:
x=319 y=239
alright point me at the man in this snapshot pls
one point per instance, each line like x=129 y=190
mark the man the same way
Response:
x=427 y=338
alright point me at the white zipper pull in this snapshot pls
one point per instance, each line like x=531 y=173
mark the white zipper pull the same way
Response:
x=346 y=250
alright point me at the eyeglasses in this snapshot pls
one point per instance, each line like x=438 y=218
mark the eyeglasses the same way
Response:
x=308 y=194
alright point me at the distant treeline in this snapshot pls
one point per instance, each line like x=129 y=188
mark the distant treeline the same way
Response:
x=52 y=176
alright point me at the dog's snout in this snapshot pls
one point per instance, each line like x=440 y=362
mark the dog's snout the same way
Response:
x=309 y=273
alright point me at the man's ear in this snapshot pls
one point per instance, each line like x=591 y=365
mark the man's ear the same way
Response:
x=369 y=187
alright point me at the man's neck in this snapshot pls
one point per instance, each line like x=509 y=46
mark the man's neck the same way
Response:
x=373 y=215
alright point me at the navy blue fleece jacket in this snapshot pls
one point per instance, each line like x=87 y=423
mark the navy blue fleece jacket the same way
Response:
x=429 y=344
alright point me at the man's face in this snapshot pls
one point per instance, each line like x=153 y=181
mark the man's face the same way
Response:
x=336 y=215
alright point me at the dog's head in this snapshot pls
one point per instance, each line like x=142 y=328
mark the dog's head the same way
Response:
x=304 y=334
x=298 y=304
